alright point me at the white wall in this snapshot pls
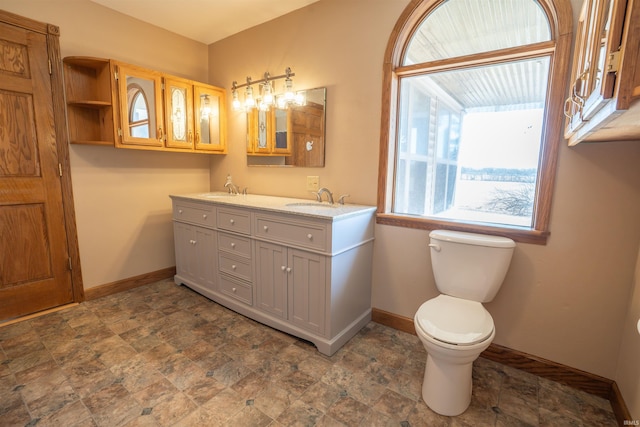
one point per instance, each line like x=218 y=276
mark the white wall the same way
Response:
x=123 y=211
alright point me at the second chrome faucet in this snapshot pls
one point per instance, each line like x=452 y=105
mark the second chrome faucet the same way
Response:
x=326 y=191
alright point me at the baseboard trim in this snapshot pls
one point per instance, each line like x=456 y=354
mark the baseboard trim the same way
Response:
x=128 y=283
x=575 y=378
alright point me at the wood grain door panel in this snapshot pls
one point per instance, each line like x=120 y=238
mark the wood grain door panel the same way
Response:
x=34 y=258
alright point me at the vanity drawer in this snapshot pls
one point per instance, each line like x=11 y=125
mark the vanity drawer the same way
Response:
x=236 y=289
x=237 y=220
x=234 y=244
x=293 y=232
x=195 y=213
x=235 y=266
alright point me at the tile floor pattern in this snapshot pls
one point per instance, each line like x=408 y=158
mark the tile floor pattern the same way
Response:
x=162 y=355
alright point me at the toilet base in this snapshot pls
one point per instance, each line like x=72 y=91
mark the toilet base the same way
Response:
x=446 y=387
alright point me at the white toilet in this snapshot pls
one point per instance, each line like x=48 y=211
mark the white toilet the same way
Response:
x=454 y=326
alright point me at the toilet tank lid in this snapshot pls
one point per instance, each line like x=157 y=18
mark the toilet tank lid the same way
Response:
x=472 y=238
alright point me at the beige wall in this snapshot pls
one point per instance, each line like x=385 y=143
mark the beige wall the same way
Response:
x=565 y=301
x=122 y=206
x=573 y=301
x=628 y=373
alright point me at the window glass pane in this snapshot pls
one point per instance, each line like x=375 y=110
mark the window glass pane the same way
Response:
x=464 y=27
x=482 y=130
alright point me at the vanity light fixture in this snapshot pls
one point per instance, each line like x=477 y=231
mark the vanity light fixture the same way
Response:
x=266 y=96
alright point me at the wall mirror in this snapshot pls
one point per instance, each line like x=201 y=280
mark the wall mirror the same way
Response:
x=290 y=136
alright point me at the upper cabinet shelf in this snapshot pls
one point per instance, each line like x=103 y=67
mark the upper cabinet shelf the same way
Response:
x=122 y=105
x=604 y=97
x=89 y=94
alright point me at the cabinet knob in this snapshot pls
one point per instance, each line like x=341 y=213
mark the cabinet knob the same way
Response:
x=233 y=289
x=232 y=221
x=266 y=228
x=193 y=242
x=204 y=216
x=288 y=269
x=233 y=267
x=283 y=268
x=179 y=211
x=233 y=245
x=310 y=236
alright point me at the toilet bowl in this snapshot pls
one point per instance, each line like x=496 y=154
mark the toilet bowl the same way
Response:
x=455 y=327
x=451 y=350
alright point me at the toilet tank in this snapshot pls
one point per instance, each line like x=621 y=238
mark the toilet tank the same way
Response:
x=469 y=265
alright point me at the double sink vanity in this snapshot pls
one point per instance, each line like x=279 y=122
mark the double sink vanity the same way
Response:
x=296 y=265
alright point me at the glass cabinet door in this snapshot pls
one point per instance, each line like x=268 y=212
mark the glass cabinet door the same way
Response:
x=178 y=96
x=260 y=131
x=210 y=120
x=140 y=98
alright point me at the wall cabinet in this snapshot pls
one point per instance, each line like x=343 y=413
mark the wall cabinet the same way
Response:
x=269 y=132
x=126 y=106
x=89 y=95
x=603 y=102
x=308 y=275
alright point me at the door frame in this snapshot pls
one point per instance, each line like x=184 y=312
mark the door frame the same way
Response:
x=52 y=33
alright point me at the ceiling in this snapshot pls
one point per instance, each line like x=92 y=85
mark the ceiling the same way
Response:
x=205 y=21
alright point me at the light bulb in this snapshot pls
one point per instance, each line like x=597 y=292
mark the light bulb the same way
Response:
x=267 y=94
x=235 y=102
x=249 y=102
x=288 y=90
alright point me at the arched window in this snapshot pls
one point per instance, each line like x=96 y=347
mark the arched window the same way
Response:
x=472 y=115
x=138 y=111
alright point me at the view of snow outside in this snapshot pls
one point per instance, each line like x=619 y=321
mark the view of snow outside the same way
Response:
x=497 y=167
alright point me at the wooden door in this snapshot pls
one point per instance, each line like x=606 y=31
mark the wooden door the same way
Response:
x=34 y=256
x=307 y=128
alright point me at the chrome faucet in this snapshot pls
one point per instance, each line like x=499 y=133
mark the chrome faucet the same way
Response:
x=326 y=191
x=233 y=189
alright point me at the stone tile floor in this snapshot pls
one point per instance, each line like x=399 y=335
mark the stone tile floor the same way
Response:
x=162 y=355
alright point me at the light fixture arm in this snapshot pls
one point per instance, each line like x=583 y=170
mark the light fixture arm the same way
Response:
x=288 y=73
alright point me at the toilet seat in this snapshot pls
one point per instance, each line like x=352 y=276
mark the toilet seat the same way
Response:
x=454 y=320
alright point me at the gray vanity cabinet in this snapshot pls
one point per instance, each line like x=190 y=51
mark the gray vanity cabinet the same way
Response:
x=291 y=284
x=195 y=245
x=305 y=272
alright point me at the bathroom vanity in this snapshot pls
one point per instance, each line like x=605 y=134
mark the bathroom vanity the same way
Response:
x=299 y=266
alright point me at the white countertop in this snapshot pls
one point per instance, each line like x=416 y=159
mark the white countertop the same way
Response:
x=303 y=207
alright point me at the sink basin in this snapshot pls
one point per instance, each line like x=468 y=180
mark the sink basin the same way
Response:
x=311 y=205
x=216 y=195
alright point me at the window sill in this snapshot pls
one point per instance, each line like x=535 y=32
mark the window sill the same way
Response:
x=520 y=235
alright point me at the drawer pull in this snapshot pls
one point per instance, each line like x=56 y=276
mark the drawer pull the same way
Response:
x=232 y=221
x=204 y=216
x=193 y=242
x=266 y=228
x=180 y=211
x=310 y=236
x=233 y=245
x=233 y=267
x=234 y=290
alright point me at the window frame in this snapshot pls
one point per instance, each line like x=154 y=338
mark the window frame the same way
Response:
x=559 y=14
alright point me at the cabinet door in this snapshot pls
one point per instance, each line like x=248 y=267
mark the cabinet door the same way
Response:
x=178 y=106
x=260 y=131
x=205 y=250
x=186 y=262
x=307 y=290
x=598 y=38
x=271 y=280
x=140 y=104
x=195 y=254
x=210 y=118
